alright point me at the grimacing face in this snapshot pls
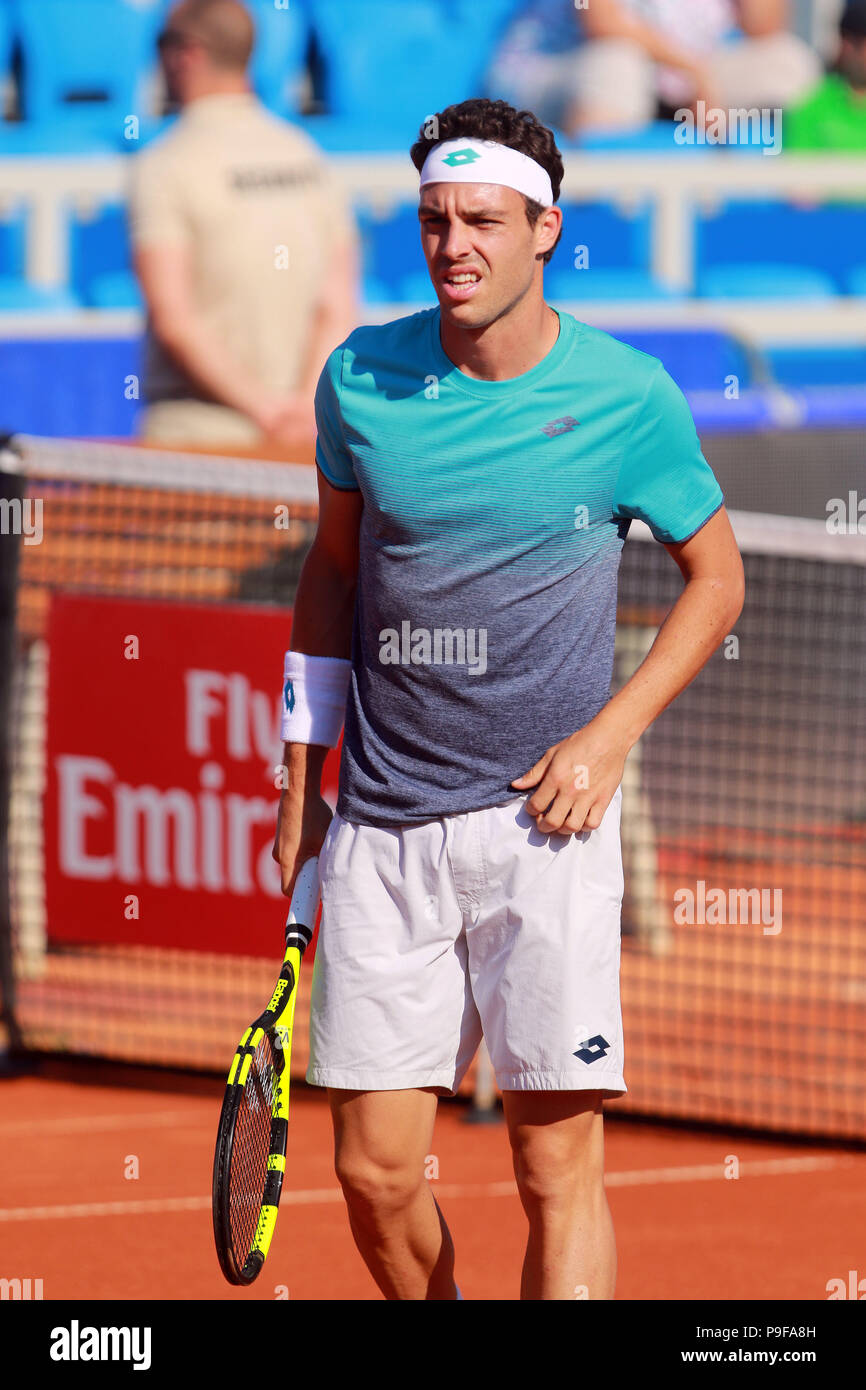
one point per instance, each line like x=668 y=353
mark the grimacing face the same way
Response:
x=481 y=252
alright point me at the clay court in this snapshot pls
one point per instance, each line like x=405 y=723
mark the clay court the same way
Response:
x=793 y=1220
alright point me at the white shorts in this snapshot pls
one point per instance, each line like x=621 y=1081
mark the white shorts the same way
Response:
x=472 y=924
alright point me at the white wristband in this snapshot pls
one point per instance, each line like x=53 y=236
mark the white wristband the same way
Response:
x=314 y=698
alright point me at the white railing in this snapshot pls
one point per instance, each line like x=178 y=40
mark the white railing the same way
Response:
x=677 y=186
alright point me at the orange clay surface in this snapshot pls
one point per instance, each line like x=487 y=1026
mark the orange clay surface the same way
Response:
x=795 y=1217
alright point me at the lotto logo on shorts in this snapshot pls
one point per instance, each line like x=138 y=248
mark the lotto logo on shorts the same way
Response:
x=592 y=1049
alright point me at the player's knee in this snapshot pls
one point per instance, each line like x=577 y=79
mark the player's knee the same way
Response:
x=551 y=1176
x=375 y=1192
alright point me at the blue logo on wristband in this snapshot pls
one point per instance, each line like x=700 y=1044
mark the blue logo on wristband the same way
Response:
x=289 y=696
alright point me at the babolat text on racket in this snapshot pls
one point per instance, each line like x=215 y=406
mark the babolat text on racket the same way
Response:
x=250 y=1157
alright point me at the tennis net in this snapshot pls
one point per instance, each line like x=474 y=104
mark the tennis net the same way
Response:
x=743 y=815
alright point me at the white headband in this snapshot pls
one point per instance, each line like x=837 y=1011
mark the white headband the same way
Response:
x=486 y=161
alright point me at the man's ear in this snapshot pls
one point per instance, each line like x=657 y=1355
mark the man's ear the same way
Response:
x=549 y=227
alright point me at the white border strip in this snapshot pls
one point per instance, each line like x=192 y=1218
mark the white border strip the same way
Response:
x=757 y=533
x=765 y=533
x=97 y=462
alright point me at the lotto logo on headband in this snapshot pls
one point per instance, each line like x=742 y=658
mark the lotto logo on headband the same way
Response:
x=458 y=157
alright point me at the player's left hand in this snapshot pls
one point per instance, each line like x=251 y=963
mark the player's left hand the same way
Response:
x=574 y=782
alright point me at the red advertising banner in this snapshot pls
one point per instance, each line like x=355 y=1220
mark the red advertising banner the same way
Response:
x=163 y=757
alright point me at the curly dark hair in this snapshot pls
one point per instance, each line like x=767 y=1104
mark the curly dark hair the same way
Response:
x=482 y=119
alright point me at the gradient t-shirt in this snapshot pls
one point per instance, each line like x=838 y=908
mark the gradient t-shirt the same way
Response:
x=493 y=522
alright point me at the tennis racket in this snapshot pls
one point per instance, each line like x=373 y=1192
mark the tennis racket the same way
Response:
x=250 y=1157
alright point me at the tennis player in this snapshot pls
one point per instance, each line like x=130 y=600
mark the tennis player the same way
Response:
x=479 y=465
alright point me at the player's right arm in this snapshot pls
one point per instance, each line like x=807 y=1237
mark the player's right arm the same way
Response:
x=322 y=626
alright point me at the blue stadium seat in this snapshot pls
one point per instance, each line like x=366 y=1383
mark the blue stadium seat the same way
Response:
x=611 y=283
x=389 y=61
x=760 y=408
x=13 y=231
x=98 y=246
x=417 y=289
x=604 y=254
x=764 y=280
x=119 y=289
x=391 y=251
x=7 y=37
x=807 y=364
x=855 y=280
x=698 y=359
x=282 y=39
x=830 y=238
x=598 y=232
x=343 y=134
x=149 y=129
x=832 y=407
x=16 y=296
x=85 y=62
x=24 y=139
x=703 y=361
x=374 y=291
x=480 y=25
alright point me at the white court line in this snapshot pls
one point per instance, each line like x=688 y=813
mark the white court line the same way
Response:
x=149 y=1206
x=91 y=1209
x=706 y=1172
x=92 y=1124
x=647 y=1177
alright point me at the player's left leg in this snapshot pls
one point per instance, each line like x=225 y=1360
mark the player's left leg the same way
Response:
x=558 y=1151
x=544 y=955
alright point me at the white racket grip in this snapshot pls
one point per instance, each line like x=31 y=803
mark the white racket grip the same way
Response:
x=305 y=898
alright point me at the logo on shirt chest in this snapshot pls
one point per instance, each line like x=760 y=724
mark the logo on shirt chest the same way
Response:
x=564 y=425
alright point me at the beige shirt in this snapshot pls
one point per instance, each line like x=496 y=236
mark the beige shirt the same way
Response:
x=254 y=202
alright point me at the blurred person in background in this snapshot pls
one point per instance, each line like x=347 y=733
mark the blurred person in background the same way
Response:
x=833 y=116
x=244 y=247
x=612 y=64
x=818 y=21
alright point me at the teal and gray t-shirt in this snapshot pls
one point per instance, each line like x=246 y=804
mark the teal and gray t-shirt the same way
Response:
x=493 y=521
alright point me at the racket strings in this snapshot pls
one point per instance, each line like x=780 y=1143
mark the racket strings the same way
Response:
x=250 y=1149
